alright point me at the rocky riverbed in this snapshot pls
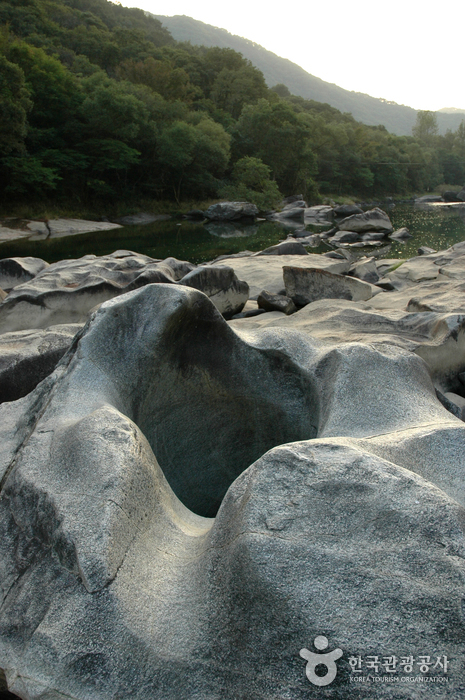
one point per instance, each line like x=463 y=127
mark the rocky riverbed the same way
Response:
x=214 y=476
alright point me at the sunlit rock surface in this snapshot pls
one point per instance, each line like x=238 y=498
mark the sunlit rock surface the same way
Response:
x=188 y=503
x=66 y=291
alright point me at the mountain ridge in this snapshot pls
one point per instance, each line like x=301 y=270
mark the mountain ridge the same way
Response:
x=398 y=119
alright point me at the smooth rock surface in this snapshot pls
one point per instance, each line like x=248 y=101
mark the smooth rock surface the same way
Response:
x=27 y=357
x=66 y=291
x=221 y=285
x=14 y=271
x=372 y=220
x=305 y=285
x=266 y=271
x=335 y=522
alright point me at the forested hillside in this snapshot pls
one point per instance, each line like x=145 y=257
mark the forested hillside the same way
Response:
x=99 y=103
x=398 y=119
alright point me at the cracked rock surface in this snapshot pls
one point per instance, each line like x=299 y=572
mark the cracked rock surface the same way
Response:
x=186 y=503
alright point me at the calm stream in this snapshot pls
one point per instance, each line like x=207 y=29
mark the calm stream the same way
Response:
x=438 y=228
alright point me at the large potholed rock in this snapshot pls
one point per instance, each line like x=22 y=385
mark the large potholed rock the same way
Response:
x=112 y=587
x=305 y=285
x=231 y=211
x=373 y=220
x=14 y=271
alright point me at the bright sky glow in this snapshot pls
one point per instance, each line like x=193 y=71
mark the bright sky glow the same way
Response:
x=403 y=50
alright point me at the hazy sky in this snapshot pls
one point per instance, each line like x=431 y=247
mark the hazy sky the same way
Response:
x=402 y=50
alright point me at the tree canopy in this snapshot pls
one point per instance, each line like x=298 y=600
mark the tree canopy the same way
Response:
x=98 y=102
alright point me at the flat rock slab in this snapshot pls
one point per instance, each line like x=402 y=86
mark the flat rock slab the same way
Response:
x=305 y=285
x=266 y=271
x=37 y=230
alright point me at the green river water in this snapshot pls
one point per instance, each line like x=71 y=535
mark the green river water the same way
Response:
x=438 y=228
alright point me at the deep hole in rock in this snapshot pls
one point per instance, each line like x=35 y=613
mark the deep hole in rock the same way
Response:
x=214 y=404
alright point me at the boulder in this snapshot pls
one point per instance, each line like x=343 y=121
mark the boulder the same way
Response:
x=321 y=212
x=338 y=515
x=305 y=285
x=285 y=248
x=461 y=195
x=425 y=250
x=66 y=291
x=14 y=271
x=401 y=234
x=231 y=211
x=290 y=213
x=345 y=237
x=372 y=220
x=27 y=357
x=450 y=196
x=365 y=269
x=345 y=210
x=266 y=271
x=373 y=236
x=299 y=203
x=276 y=302
x=221 y=285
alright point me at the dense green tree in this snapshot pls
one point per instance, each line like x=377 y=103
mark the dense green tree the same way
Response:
x=426 y=126
x=251 y=182
x=14 y=105
x=281 y=139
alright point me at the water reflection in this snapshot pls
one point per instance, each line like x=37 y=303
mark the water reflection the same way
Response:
x=437 y=227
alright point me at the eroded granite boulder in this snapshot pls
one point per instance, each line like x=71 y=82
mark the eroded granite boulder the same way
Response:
x=66 y=291
x=334 y=523
x=373 y=220
x=14 y=271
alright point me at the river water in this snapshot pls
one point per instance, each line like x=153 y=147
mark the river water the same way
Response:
x=437 y=228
